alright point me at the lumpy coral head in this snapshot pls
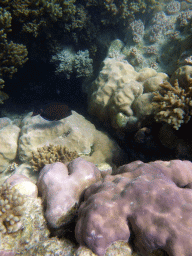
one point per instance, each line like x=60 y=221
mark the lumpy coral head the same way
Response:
x=61 y=186
x=147 y=199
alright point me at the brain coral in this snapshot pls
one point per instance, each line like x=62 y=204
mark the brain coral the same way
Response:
x=151 y=202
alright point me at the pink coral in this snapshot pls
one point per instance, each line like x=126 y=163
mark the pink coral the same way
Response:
x=149 y=201
x=61 y=186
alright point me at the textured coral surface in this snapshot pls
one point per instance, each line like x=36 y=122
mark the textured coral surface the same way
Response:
x=151 y=203
x=61 y=187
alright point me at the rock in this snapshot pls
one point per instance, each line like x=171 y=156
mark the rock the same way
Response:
x=8 y=140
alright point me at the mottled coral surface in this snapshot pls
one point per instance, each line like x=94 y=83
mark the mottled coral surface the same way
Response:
x=149 y=203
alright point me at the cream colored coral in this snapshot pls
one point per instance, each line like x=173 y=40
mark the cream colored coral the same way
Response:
x=173 y=104
x=11 y=209
x=116 y=89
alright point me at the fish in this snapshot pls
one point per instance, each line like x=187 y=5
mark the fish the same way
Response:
x=53 y=111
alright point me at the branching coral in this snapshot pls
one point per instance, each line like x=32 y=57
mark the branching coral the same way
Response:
x=12 y=55
x=51 y=154
x=70 y=62
x=36 y=14
x=115 y=11
x=11 y=209
x=173 y=104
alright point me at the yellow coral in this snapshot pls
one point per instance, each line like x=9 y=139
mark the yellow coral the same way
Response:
x=173 y=104
x=51 y=154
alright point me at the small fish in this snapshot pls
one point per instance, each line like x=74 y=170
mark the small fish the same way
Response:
x=53 y=111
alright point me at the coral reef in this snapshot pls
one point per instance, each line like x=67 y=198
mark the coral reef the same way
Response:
x=73 y=132
x=61 y=187
x=162 y=41
x=11 y=209
x=151 y=202
x=34 y=237
x=51 y=154
x=173 y=104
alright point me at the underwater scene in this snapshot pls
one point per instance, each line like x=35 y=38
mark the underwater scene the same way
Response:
x=95 y=127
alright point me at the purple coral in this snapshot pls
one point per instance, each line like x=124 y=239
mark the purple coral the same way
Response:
x=151 y=199
x=61 y=186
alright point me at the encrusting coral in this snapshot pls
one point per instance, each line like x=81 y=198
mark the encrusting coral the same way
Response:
x=11 y=211
x=51 y=154
x=173 y=104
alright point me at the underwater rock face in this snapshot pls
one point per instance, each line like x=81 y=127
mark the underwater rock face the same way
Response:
x=61 y=187
x=74 y=132
x=8 y=140
x=152 y=201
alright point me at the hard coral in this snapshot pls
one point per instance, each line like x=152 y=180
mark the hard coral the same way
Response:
x=51 y=154
x=11 y=203
x=148 y=201
x=173 y=104
x=61 y=187
x=12 y=55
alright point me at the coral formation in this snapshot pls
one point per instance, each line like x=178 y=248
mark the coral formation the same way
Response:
x=73 y=132
x=137 y=27
x=51 y=154
x=23 y=185
x=70 y=62
x=173 y=104
x=151 y=202
x=121 y=95
x=11 y=209
x=61 y=187
x=12 y=55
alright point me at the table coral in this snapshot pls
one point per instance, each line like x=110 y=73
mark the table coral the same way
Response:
x=173 y=104
x=149 y=202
